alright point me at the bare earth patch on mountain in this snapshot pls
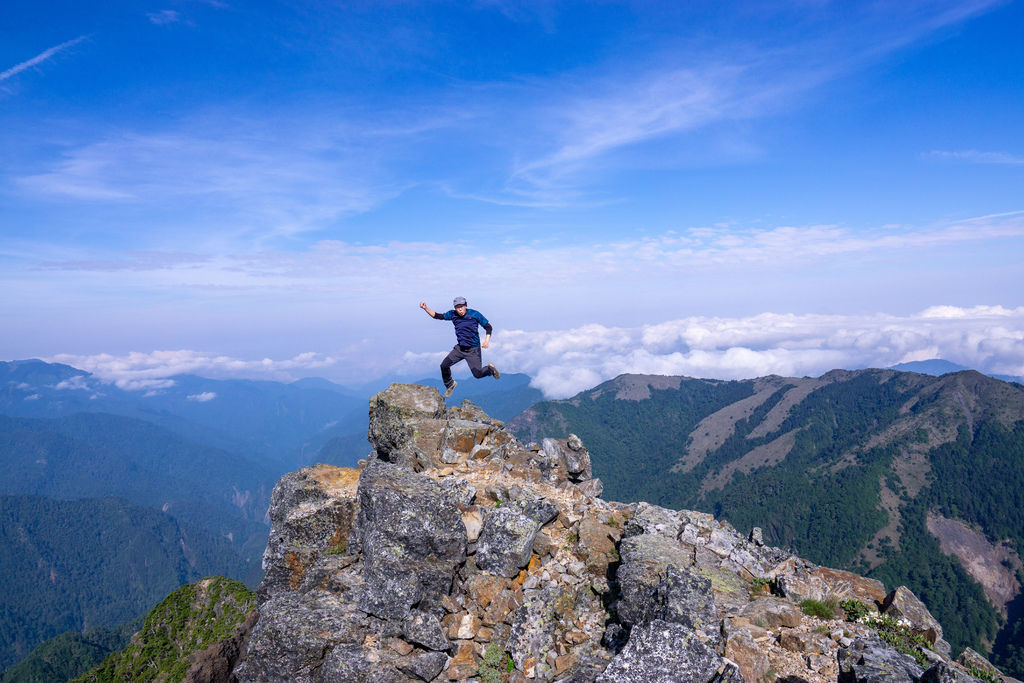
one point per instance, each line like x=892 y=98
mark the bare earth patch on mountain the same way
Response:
x=638 y=387
x=992 y=566
x=769 y=454
x=711 y=432
x=775 y=417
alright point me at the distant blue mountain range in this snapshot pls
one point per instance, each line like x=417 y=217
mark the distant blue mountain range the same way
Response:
x=937 y=367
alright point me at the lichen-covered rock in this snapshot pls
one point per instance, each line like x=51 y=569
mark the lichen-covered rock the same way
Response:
x=423 y=665
x=645 y=561
x=869 y=660
x=575 y=459
x=395 y=415
x=903 y=604
x=506 y=541
x=686 y=598
x=354 y=664
x=971 y=659
x=535 y=624
x=425 y=629
x=412 y=539
x=464 y=542
x=311 y=512
x=666 y=652
x=592 y=488
x=538 y=509
x=294 y=633
x=947 y=673
x=771 y=613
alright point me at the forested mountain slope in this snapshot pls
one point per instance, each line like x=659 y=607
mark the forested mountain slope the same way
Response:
x=72 y=565
x=867 y=470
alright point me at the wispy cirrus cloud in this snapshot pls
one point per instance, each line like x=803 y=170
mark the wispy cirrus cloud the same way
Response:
x=613 y=263
x=39 y=58
x=164 y=17
x=245 y=178
x=973 y=156
x=706 y=85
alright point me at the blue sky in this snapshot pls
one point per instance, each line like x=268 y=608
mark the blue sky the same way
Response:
x=718 y=189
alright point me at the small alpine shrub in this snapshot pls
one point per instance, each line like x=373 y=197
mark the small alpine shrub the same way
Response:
x=823 y=609
x=855 y=609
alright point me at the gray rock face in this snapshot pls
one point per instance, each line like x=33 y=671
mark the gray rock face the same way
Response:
x=394 y=414
x=686 y=598
x=947 y=673
x=506 y=541
x=903 y=604
x=351 y=664
x=412 y=539
x=533 y=628
x=666 y=652
x=293 y=633
x=571 y=455
x=538 y=509
x=869 y=660
x=460 y=491
x=311 y=511
x=645 y=562
x=425 y=629
x=591 y=487
x=423 y=665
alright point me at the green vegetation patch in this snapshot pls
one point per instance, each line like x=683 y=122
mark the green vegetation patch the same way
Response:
x=495 y=664
x=823 y=609
x=901 y=637
x=188 y=620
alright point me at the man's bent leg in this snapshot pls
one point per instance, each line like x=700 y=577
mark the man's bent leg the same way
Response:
x=473 y=357
x=453 y=357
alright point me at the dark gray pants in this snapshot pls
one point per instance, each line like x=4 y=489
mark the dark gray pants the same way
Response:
x=470 y=354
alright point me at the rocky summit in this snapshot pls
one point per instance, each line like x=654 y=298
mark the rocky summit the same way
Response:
x=454 y=552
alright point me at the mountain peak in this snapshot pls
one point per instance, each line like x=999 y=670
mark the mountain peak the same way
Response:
x=455 y=551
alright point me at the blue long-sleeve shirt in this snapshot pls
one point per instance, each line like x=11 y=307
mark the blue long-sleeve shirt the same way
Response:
x=466 y=326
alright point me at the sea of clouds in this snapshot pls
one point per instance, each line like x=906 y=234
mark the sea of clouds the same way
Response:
x=565 y=362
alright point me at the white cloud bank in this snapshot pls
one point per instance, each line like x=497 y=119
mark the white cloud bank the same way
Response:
x=564 y=362
x=151 y=371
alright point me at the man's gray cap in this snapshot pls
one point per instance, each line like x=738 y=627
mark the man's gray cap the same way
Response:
x=460 y=301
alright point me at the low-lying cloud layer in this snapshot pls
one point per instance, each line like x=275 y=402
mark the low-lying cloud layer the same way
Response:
x=151 y=371
x=565 y=362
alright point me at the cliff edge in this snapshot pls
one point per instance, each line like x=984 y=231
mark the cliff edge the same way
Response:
x=455 y=552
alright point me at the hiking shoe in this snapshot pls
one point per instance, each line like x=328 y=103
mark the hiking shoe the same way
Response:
x=494 y=371
x=450 y=388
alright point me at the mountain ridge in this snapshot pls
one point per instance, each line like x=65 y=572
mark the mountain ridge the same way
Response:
x=845 y=468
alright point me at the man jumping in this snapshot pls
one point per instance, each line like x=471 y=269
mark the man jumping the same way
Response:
x=467 y=348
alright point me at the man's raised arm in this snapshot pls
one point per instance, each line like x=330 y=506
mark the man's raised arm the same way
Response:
x=425 y=307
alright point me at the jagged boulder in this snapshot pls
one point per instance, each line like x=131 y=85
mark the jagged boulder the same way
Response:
x=947 y=673
x=685 y=598
x=412 y=540
x=903 y=604
x=667 y=652
x=312 y=512
x=506 y=541
x=570 y=455
x=294 y=633
x=648 y=549
x=406 y=424
x=869 y=660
